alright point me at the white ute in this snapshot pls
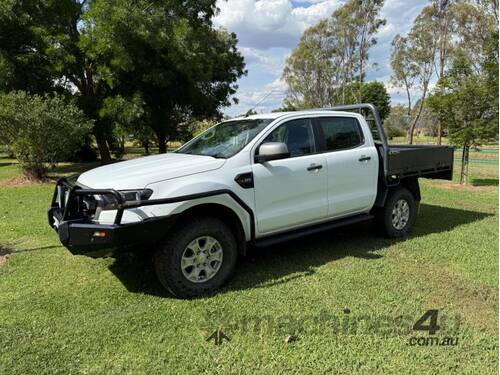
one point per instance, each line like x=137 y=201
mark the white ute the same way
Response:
x=252 y=180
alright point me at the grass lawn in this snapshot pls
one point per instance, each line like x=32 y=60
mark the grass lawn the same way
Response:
x=347 y=298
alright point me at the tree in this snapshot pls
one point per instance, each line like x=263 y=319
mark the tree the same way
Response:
x=445 y=22
x=367 y=25
x=48 y=48
x=331 y=55
x=310 y=71
x=469 y=106
x=127 y=116
x=396 y=123
x=371 y=92
x=169 y=53
x=405 y=71
x=22 y=66
x=352 y=28
x=40 y=130
x=166 y=51
x=414 y=59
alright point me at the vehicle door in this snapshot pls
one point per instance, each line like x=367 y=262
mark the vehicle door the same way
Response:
x=291 y=192
x=352 y=164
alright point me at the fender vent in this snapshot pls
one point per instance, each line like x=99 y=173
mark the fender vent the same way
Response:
x=245 y=180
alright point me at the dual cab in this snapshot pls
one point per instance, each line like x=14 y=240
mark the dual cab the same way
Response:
x=253 y=180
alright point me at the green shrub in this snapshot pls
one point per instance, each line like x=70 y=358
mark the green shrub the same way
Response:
x=40 y=130
x=394 y=132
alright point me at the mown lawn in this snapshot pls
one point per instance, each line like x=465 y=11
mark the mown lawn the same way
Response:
x=348 y=298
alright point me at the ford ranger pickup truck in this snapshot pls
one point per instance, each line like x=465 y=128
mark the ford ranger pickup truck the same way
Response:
x=253 y=180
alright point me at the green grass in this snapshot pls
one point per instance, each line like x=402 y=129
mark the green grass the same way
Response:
x=69 y=314
x=8 y=168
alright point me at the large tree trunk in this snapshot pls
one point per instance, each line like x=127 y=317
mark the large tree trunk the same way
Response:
x=464 y=170
x=102 y=145
x=162 y=142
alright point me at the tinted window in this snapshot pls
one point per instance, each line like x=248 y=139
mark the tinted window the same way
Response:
x=340 y=132
x=298 y=136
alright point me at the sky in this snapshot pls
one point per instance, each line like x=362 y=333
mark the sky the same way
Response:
x=268 y=30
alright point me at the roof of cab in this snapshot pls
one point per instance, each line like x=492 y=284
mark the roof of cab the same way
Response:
x=275 y=115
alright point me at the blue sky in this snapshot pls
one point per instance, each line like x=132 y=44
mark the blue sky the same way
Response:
x=268 y=30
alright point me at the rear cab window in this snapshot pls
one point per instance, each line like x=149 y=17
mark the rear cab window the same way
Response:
x=340 y=133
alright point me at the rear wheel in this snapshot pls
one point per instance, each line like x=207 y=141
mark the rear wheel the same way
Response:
x=398 y=215
x=197 y=259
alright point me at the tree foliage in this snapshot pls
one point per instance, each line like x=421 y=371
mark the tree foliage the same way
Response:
x=443 y=29
x=166 y=52
x=413 y=59
x=396 y=123
x=40 y=130
x=465 y=100
x=370 y=92
x=404 y=69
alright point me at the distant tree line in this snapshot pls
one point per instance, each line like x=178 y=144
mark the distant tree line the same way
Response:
x=451 y=42
x=455 y=41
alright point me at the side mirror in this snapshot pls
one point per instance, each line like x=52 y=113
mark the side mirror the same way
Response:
x=272 y=151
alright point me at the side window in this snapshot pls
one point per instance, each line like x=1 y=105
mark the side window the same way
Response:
x=341 y=132
x=297 y=135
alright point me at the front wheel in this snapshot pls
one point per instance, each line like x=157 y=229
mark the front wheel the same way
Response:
x=197 y=258
x=398 y=215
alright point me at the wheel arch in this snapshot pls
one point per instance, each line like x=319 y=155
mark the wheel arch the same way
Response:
x=413 y=186
x=409 y=183
x=221 y=212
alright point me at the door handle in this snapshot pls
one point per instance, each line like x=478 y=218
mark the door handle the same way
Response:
x=314 y=167
x=364 y=158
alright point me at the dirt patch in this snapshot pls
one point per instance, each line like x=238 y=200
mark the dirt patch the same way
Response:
x=476 y=305
x=22 y=181
x=4 y=252
x=455 y=186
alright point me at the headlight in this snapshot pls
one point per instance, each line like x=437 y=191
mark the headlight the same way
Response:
x=108 y=202
x=136 y=195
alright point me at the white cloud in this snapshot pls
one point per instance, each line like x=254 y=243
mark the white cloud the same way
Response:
x=265 y=24
x=263 y=99
x=258 y=59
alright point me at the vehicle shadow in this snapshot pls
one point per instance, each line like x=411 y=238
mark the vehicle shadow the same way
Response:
x=264 y=267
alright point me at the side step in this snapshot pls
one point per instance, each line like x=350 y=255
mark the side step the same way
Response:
x=302 y=232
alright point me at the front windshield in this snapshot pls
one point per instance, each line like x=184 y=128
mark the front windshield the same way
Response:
x=225 y=139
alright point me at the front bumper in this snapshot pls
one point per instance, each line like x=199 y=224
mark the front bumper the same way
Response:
x=81 y=236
